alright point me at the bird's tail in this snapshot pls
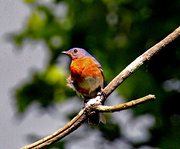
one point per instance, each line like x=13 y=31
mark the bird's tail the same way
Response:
x=96 y=118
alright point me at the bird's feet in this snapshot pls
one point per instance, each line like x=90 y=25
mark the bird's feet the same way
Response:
x=102 y=93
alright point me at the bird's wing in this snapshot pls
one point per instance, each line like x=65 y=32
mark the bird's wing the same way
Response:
x=70 y=83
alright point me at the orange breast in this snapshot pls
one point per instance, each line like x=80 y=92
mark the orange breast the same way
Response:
x=85 y=67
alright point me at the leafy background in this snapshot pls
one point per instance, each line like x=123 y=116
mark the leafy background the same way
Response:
x=115 y=32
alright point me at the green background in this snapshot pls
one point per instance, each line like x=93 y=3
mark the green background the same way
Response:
x=115 y=32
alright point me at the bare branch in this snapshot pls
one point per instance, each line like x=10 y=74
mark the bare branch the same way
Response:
x=59 y=134
x=95 y=104
x=125 y=105
x=139 y=62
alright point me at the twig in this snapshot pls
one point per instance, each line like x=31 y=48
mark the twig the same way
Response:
x=125 y=105
x=81 y=117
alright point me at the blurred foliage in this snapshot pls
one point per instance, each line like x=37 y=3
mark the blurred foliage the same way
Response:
x=46 y=88
x=115 y=32
x=110 y=131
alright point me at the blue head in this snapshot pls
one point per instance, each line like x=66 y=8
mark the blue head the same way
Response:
x=76 y=53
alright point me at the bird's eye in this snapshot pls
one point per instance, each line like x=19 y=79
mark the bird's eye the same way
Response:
x=75 y=50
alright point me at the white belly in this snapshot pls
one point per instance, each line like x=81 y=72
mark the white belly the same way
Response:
x=91 y=83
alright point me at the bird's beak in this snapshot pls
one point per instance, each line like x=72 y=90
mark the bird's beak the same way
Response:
x=67 y=53
x=64 y=52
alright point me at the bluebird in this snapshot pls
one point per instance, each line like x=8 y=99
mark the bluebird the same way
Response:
x=86 y=77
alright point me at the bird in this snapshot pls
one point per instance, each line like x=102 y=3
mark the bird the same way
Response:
x=86 y=78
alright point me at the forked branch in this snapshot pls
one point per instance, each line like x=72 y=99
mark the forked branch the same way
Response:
x=96 y=105
x=126 y=105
